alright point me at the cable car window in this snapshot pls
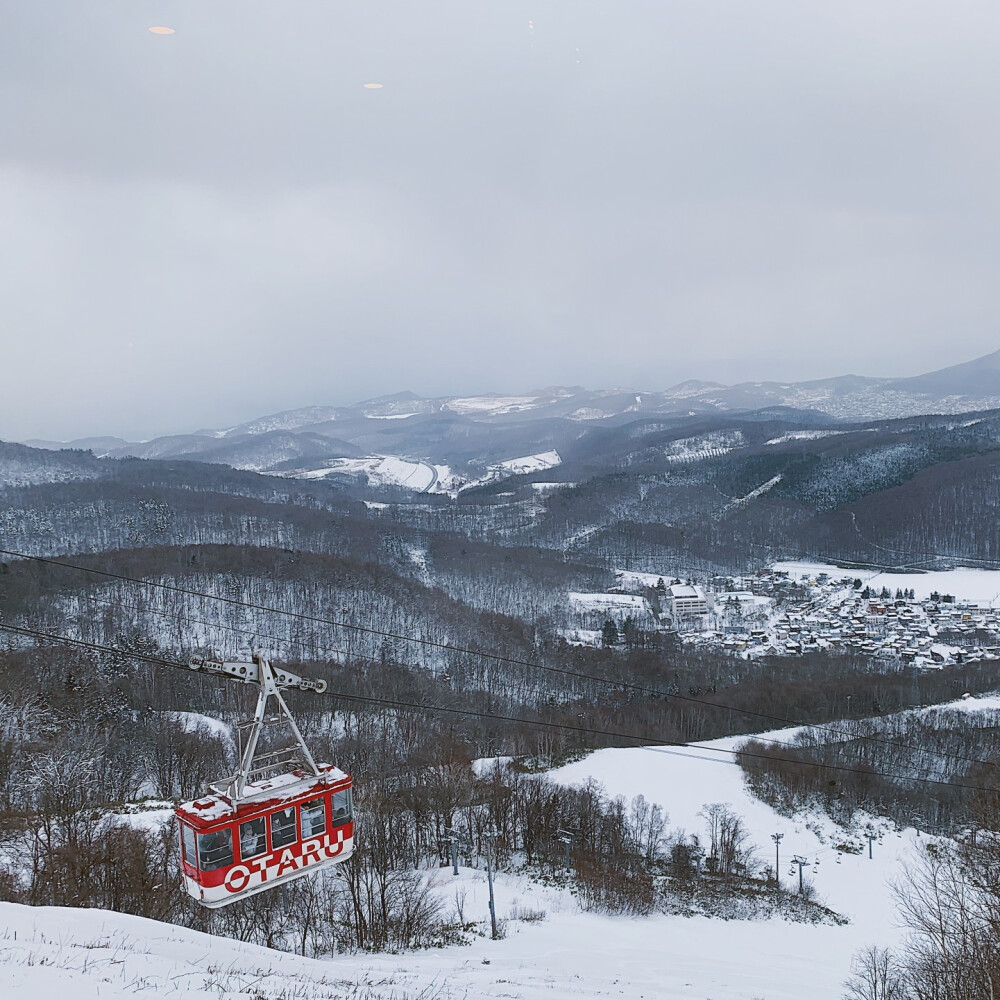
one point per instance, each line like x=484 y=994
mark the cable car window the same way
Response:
x=313 y=818
x=252 y=838
x=188 y=845
x=215 y=850
x=341 y=806
x=283 y=828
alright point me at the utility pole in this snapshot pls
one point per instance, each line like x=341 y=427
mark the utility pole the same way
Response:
x=452 y=838
x=491 y=836
x=777 y=837
x=566 y=838
x=801 y=862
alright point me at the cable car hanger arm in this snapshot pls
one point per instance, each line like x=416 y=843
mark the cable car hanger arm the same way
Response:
x=269 y=683
x=259 y=671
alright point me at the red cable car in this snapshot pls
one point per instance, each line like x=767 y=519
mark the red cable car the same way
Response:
x=281 y=816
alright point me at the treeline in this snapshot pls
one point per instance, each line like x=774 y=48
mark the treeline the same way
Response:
x=896 y=491
x=656 y=691
x=948 y=901
x=935 y=770
x=85 y=740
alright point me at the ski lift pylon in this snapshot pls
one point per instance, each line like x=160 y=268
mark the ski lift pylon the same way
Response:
x=279 y=817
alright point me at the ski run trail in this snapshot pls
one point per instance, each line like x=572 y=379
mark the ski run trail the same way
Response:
x=49 y=953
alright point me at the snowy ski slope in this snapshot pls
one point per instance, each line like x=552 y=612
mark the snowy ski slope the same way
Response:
x=49 y=953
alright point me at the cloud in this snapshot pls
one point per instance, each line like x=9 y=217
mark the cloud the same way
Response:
x=224 y=221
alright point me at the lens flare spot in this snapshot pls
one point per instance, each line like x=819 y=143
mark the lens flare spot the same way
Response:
x=373 y=86
x=161 y=30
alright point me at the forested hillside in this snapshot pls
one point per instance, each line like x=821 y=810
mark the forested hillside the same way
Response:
x=444 y=627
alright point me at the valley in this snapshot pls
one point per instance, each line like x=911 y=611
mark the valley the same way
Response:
x=600 y=611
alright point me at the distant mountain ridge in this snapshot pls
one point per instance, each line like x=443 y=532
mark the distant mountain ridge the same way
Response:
x=471 y=433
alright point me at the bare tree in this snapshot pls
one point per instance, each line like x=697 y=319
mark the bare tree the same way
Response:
x=875 y=975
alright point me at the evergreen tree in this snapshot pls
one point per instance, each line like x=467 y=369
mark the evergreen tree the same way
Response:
x=609 y=633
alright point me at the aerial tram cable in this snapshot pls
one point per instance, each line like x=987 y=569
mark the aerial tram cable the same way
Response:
x=279 y=816
x=624 y=685
x=299 y=644
x=665 y=746
x=514 y=661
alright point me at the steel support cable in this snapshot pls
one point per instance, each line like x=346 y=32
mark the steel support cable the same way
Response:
x=495 y=716
x=176 y=616
x=500 y=658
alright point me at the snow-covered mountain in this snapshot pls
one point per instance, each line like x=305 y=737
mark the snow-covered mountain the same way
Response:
x=469 y=435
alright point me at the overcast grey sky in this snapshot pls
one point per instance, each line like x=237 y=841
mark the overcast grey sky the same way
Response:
x=202 y=227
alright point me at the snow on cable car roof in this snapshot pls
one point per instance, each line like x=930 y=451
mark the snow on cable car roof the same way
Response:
x=282 y=786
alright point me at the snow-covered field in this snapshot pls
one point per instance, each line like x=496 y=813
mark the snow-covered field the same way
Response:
x=978 y=586
x=194 y=721
x=625 y=603
x=493 y=405
x=683 y=780
x=529 y=463
x=380 y=470
x=423 y=477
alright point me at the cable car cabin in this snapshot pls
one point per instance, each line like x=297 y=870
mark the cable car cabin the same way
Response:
x=281 y=828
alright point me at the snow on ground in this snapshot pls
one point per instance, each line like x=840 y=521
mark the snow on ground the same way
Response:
x=582 y=636
x=797 y=569
x=607 y=602
x=803 y=436
x=695 y=449
x=49 y=953
x=629 y=578
x=418 y=557
x=781 y=961
x=529 y=463
x=150 y=815
x=195 y=721
x=978 y=586
x=980 y=703
x=90 y=954
x=490 y=404
x=753 y=494
x=547 y=487
x=423 y=477
x=447 y=480
x=381 y=470
x=580 y=536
